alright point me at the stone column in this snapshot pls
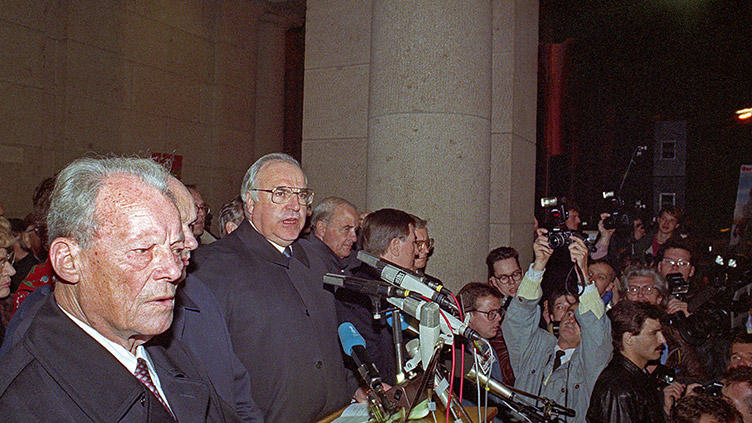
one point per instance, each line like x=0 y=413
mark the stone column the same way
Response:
x=429 y=124
x=427 y=106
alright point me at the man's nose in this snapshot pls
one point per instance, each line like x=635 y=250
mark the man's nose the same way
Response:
x=169 y=264
x=190 y=241
x=661 y=338
x=293 y=203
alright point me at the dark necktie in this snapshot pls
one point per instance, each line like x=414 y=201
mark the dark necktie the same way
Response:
x=557 y=359
x=287 y=252
x=142 y=374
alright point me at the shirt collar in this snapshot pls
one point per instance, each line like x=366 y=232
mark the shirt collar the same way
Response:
x=280 y=248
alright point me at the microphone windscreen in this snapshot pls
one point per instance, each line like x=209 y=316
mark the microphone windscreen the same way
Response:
x=349 y=337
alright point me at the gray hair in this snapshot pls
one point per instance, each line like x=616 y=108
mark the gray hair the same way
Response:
x=325 y=210
x=419 y=223
x=73 y=201
x=642 y=270
x=251 y=176
x=232 y=211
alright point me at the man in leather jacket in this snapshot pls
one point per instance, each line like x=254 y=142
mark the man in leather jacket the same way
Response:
x=624 y=393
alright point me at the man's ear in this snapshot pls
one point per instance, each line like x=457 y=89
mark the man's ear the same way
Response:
x=691 y=271
x=230 y=226
x=394 y=247
x=319 y=229
x=627 y=338
x=64 y=256
x=249 y=203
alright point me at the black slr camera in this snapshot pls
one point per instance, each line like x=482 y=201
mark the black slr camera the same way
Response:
x=556 y=215
x=615 y=207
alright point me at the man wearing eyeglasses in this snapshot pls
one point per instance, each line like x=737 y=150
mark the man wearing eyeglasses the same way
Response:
x=643 y=284
x=388 y=234
x=675 y=257
x=561 y=367
x=202 y=211
x=281 y=321
x=504 y=274
x=423 y=244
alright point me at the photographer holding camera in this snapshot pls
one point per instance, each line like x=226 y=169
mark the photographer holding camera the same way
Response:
x=561 y=367
x=562 y=221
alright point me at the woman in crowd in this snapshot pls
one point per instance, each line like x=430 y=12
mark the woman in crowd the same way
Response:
x=6 y=271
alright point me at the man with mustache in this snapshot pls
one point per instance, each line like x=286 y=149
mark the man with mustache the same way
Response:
x=282 y=322
x=560 y=367
x=642 y=284
x=116 y=247
x=624 y=393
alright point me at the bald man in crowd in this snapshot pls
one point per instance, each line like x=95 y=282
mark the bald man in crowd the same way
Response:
x=335 y=225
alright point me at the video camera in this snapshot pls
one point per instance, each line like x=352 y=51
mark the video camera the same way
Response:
x=725 y=297
x=619 y=218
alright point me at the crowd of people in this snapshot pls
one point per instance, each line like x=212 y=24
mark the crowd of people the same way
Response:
x=118 y=304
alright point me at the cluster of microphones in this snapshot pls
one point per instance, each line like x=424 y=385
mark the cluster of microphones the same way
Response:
x=433 y=306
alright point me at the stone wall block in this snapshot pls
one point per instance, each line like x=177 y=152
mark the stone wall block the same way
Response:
x=335 y=104
x=337 y=168
x=338 y=33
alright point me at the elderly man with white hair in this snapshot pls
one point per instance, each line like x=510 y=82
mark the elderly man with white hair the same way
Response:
x=116 y=243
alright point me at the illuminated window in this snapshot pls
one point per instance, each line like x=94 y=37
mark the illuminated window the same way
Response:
x=668 y=199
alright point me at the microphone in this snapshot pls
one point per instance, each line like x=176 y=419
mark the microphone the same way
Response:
x=414 y=307
x=436 y=284
x=429 y=330
x=510 y=394
x=410 y=281
x=494 y=386
x=355 y=346
x=365 y=286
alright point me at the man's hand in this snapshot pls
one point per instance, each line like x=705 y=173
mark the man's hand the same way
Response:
x=362 y=397
x=675 y=305
x=671 y=393
x=579 y=253
x=605 y=233
x=541 y=249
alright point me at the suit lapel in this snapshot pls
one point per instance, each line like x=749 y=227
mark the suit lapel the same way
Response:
x=95 y=380
x=188 y=398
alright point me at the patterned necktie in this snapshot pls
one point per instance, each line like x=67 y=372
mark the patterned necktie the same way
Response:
x=557 y=359
x=287 y=252
x=142 y=374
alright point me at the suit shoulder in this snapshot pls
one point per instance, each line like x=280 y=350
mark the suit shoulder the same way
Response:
x=17 y=361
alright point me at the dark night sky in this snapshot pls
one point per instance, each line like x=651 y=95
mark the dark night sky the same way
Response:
x=635 y=62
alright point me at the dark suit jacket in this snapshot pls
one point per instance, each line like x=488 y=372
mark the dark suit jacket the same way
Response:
x=282 y=324
x=198 y=323
x=59 y=373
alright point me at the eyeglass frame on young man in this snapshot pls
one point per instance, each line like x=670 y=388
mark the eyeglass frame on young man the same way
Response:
x=668 y=261
x=499 y=313
x=507 y=279
x=286 y=193
x=9 y=258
